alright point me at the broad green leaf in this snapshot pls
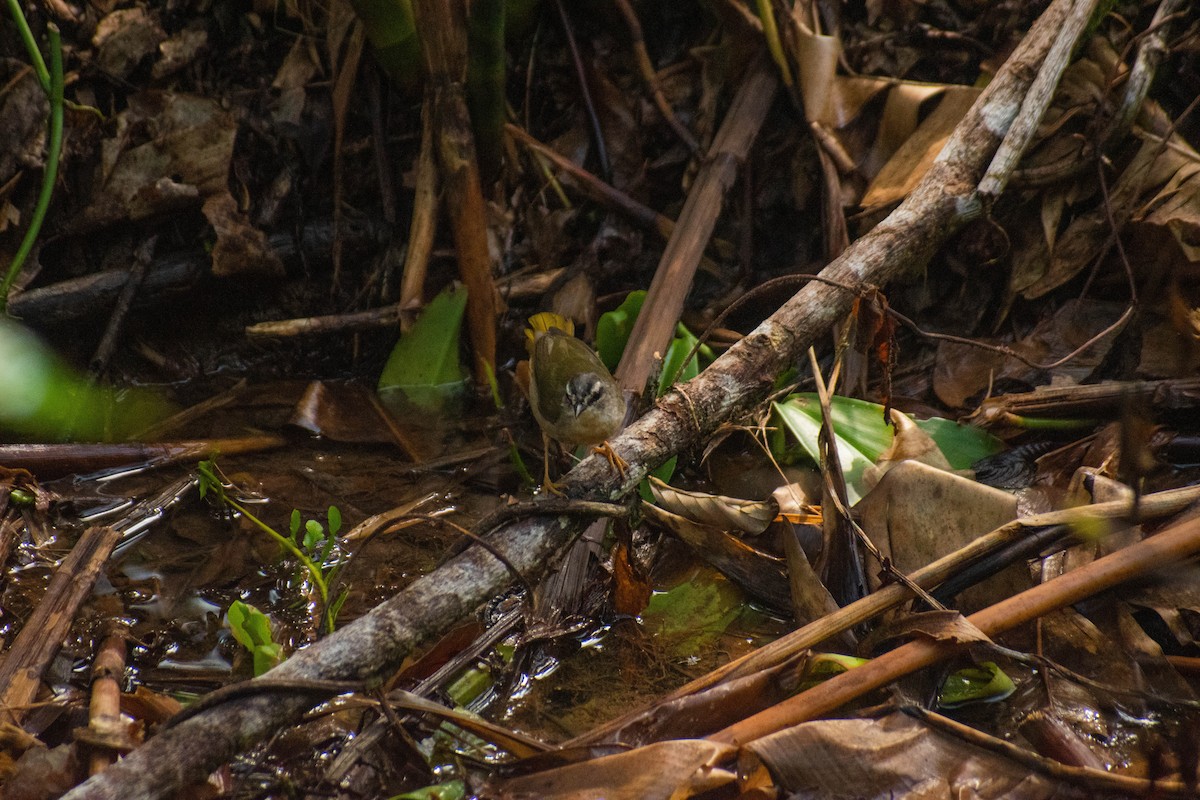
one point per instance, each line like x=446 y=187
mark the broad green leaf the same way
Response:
x=424 y=369
x=42 y=397
x=806 y=429
x=962 y=445
x=694 y=614
x=392 y=31
x=614 y=327
x=681 y=347
x=663 y=472
x=863 y=435
x=612 y=335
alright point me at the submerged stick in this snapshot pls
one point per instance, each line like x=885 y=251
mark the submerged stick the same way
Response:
x=47 y=627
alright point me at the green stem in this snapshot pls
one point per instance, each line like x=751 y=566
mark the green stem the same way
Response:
x=1049 y=423
x=313 y=570
x=210 y=480
x=54 y=151
x=771 y=33
x=35 y=55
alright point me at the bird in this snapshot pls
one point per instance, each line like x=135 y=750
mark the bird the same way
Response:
x=574 y=398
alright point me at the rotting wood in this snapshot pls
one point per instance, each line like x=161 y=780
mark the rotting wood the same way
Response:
x=379 y=641
x=166 y=277
x=106 y=732
x=43 y=633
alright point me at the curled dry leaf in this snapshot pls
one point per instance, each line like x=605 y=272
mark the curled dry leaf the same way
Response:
x=910 y=443
x=727 y=513
x=761 y=575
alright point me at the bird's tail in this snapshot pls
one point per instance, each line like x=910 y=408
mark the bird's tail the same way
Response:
x=545 y=322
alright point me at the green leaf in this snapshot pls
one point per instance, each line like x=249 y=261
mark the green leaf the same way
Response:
x=614 y=327
x=862 y=435
x=694 y=614
x=252 y=630
x=469 y=685
x=823 y=666
x=982 y=683
x=41 y=397
x=663 y=473
x=674 y=371
x=806 y=428
x=236 y=618
x=424 y=369
x=612 y=335
x=294 y=524
x=335 y=607
x=313 y=533
x=962 y=445
x=450 y=790
x=266 y=657
x=335 y=520
x=391 y=29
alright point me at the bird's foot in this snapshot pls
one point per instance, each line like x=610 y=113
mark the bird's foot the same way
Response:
x=553 y=488
x=614 y=460
x=547 y=484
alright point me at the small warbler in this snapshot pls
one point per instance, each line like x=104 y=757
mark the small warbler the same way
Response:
x=574 y=397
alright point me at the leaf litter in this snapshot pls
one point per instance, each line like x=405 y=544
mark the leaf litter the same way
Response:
x=192 y=139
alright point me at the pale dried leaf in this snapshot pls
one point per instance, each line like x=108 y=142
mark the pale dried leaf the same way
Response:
x=169 y=151
x=726 y=513
x=667 y=770
x=910 y=443
x=180 y=50
x=914 y=158
x=895 y=757
x=917 y=514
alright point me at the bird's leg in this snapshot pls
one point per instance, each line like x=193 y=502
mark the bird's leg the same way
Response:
x=547 y=484
x=614 y=460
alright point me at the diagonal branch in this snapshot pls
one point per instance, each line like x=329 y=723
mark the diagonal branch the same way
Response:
x=378 y=642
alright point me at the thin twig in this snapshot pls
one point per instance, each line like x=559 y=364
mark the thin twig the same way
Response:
x=638 y=42
x=585 y=93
